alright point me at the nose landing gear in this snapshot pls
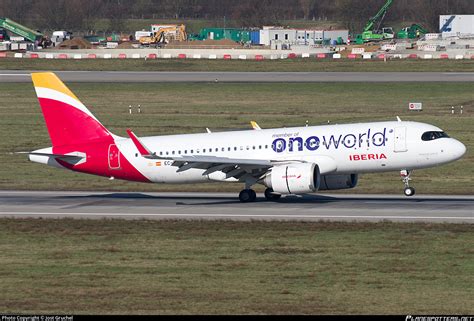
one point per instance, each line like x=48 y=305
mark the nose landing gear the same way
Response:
x=405 y=175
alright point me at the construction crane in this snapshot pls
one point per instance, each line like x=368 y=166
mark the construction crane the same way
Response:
x=165 y=35
x=372 y=33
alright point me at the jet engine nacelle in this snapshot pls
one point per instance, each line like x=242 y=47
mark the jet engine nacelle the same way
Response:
x=331 y=182
x=294 y=178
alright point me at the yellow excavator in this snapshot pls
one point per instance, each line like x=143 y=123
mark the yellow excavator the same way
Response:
x=165 y=35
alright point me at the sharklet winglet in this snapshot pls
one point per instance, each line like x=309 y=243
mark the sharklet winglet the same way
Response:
x=144 y=151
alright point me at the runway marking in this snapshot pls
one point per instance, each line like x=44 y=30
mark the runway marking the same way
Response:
x=15 y=75
x=245 y=215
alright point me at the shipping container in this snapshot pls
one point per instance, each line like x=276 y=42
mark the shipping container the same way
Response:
x=255 y=37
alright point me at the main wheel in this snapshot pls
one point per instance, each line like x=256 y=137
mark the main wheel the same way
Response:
x=409 y=191
x=270 y=196
x=247 y=195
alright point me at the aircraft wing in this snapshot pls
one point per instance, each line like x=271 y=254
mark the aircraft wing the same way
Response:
x=232 y=167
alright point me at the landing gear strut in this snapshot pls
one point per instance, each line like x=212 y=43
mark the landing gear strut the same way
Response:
x=405 y=175
x=247 y=195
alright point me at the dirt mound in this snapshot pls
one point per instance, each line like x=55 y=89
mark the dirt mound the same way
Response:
x=128 y=45
x=76 y=43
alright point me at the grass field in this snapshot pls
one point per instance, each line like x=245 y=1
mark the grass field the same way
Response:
x=190 y=108
x=303 y=65
x=170 y=267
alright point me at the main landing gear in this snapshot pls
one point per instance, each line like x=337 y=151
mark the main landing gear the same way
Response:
x=405 y=175
x=270 y=196
x=249 y=195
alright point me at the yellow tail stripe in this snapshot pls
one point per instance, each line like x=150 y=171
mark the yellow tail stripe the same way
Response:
x=51 y=81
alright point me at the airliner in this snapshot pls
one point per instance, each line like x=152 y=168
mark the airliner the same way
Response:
x=295 y=160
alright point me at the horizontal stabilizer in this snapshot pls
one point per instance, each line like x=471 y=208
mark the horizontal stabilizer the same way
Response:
x=61 y=156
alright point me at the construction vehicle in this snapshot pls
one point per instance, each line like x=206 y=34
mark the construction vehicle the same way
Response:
x=165 y=35
x=372 y=30
x=412 y=32
x=20 y=30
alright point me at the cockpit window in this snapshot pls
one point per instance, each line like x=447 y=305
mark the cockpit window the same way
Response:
x=433 y=135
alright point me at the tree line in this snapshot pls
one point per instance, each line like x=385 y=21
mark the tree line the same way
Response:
x=82 y=15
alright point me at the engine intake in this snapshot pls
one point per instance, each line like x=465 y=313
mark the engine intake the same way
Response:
x=294 y=178
x=331 y=182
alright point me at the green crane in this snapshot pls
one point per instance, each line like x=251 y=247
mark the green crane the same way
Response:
x=370 y=33
x=20 y=30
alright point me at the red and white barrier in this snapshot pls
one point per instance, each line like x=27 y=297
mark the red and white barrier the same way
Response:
x=3 y=55
x=181 y=56
x=62 y=56
x=152 y=56
x=34 y=56
x=321 y=56
x=305 y=55
x=227 y=57
x=291 y=55
x=259 y=57
x=91 y=56
x=367 y=56
x=352 y=56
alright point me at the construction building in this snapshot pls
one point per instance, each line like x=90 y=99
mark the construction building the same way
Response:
x=456 y=24
x=274 y=36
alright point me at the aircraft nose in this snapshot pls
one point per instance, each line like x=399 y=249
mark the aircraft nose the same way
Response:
x=458 y=149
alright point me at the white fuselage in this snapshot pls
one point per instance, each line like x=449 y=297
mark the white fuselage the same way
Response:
x=337 y=149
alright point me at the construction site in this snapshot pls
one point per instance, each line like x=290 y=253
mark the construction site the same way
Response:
x=453 y=40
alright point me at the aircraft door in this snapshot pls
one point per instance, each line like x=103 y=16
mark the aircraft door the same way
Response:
x=114 y=157
x=400 y=139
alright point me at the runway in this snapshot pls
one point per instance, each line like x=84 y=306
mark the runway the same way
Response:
x=226 y=206
x=236 y=77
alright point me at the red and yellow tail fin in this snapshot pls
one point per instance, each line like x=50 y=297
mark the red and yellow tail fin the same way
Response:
x=67 y=119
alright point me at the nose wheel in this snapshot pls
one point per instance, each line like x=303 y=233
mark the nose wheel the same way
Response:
x=405 y=175
x=247 y=195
